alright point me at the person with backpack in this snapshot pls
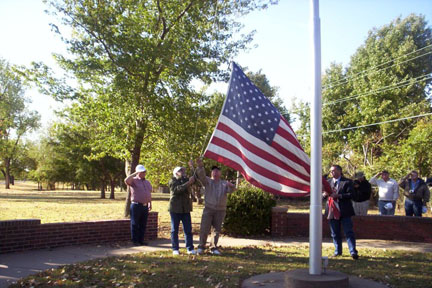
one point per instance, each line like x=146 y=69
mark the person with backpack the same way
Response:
x=361 y=194
x=388 y=192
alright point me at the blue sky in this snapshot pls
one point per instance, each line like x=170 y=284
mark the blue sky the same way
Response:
x=283 y=38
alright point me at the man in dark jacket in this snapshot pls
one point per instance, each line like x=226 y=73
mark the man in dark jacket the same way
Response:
x=416 y=194
x=342 y=194
x=361 y=195
x=180 y=206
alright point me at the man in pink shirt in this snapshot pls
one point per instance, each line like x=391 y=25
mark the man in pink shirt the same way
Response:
x=140 y=203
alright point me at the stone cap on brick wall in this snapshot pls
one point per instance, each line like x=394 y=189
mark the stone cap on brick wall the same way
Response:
x=20 y=222
x=279 y=209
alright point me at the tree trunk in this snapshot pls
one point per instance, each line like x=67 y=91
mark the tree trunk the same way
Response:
x=135 y=157
x=7 y=173
x=102 y=190
x=112 y=196
x=237 y=179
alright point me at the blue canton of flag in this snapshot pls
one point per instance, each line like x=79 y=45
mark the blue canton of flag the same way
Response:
x=249 y=108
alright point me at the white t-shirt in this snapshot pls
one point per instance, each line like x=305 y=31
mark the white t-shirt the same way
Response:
x=387 y=191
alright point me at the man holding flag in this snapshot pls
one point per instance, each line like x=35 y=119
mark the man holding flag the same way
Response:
x=340 y=210
x=215 y=203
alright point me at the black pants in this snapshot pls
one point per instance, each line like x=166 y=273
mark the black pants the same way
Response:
x=138 y=217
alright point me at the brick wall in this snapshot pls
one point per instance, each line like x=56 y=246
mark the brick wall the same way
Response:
x=401 y=228
x=20 y=235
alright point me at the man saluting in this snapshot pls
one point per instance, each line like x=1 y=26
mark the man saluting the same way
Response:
x=140 y=203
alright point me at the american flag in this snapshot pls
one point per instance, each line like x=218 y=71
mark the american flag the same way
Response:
x=252 y=137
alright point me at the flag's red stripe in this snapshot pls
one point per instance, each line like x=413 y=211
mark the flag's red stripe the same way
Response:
x=288 y=136
x=257 y=168
x=238 y=167
x=264 y=154
x=290 y=155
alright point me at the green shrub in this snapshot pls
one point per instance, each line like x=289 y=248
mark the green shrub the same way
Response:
x=249 y=211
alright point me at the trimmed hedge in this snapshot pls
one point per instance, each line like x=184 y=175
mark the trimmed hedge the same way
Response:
x=249 y=211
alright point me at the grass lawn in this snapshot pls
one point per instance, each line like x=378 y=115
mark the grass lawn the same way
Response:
x=24 y=201
x=160 y=269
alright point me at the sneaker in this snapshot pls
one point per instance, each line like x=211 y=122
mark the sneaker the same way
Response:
x=355 y=256
x=176 y=252
x=216 y=252
x=191 y=252
x=200 y=251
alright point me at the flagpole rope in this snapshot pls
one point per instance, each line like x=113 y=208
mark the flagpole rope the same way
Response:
x=372 y=69
x=378 y=123
x=199 y=106
x=194 y=169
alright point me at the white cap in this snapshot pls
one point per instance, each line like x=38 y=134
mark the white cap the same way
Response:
x=388 y=206
x=140 y=168
x=176 y=169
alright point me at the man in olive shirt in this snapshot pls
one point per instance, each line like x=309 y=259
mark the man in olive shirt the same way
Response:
x=140 y=203
x=180 y=206
x=215 y=204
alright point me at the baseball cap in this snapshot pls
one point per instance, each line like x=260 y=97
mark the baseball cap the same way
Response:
x=140 y=168
x=176 y=169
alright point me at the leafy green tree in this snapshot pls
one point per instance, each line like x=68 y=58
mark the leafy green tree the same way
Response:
x=388 y=78
x=412 y=153
x=135 y=60
x=15 y=119
x=389 y=60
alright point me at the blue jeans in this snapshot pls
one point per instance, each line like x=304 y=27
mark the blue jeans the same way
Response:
x=185 y=218
x=138 y=217
x=413 y=207
x=384 y=211
x=335 y=228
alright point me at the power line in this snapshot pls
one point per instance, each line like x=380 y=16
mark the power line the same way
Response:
x=372 y=69
x=380 y=90
x=383 y=89
x=378 y=123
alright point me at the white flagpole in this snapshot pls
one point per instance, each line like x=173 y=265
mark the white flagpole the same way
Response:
x=315 y=218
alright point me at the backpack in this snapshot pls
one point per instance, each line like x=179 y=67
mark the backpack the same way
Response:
x=362 y=192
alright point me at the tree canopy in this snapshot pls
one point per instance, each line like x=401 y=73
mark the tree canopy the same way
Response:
x=15 y=119
x=388 y=78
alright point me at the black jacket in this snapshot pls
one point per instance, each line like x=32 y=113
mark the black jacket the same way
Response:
x=362 y=192
x=346 y=189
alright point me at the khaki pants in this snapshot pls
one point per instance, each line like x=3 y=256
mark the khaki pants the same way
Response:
x=211 y=217
x=361 y=208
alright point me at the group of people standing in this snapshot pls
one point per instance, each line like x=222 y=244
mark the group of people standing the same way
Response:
x=346 y=199
x=349 y=198
x=180 y=205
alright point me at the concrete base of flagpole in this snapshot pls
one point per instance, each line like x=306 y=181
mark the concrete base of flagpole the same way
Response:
x=302 y=279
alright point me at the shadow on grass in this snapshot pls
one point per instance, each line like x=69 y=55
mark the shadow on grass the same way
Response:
x=161 y=269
